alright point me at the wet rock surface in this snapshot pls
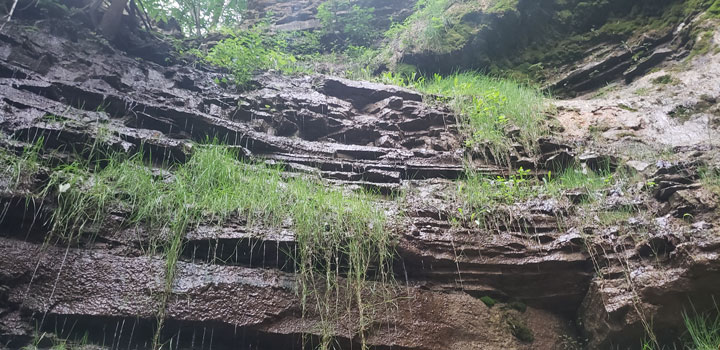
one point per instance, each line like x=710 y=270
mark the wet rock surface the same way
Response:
x=91 y=285
x=235 y=283
x=235 y=279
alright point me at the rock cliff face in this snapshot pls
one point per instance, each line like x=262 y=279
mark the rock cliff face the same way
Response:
x=74 y=91
x=572 y=46
x=302 y=15
x=557 y=270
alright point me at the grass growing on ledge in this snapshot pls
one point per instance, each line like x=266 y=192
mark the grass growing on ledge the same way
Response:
x=710 y=178
x=481 y=194
x=489 y=107
x=18 y=170
x=338 y=233
x=703 y=330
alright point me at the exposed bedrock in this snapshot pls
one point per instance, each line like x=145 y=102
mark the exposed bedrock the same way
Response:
x=50 y=282
x=652 y=273
x=235 y=283
x=236 y=280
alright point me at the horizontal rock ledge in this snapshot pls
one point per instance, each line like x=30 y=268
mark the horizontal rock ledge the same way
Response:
x=69 y=282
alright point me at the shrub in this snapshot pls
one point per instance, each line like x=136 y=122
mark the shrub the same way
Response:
x=344 y=23
x=247 y=52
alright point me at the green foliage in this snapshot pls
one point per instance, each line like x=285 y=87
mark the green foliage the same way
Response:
x=429 y=28
x=664 y=80
x=15 y=171
x=710 y=178
x=196 y=16
x=489 y=107
x=345 y=23
x=517 y=305
x=703 y=330
x=714 y=9
x=247 y=52
x=338 y=233
x=643 y=91
x=299 y=42
x=588 y=182
x=481 y=195
x=500 y=6
x=578 y=25
x=520 y=330
x=489 y=301
x=479 y=190
x=614 y=217
x=703 y=43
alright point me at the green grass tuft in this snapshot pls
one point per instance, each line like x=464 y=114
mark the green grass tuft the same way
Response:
x=489 y=107
x=481 y=195
x=703 y=330
x=520 y=330
x=710 y=178
x=15 y=171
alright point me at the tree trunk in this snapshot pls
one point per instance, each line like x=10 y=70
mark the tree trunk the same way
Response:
x=112 y=18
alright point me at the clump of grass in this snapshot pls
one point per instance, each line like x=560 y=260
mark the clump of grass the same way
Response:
x=643 y=91
x=479 y=191
x=710 y=178
x=338 y=233
x=703 y=330
x=520 y=330
x=517 y=305
x=489 y=107
x=614 y=217
x=481 y=194
x=424 y=29
x=589 y=183
x=16 y=170
x=665 y=80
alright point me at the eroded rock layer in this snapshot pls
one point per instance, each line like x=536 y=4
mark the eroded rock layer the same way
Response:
x=236 y=282
x=235 y=285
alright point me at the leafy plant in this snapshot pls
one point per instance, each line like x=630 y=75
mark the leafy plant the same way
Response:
x=344 y=23
x=245 y=53
x=196 y=16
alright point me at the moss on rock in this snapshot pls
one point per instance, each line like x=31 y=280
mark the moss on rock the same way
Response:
x=515 y=37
